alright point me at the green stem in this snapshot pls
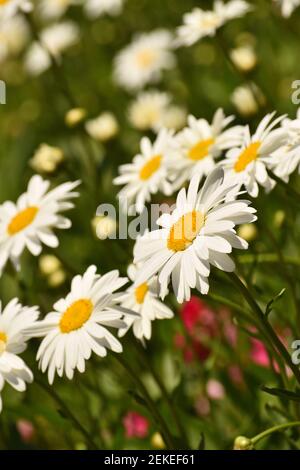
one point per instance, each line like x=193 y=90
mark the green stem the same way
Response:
x=265 y=325
x=89 y=439
x=267 y=258
x=289 y=190
x=150 y=404
x=277 y=428
x=165 y=394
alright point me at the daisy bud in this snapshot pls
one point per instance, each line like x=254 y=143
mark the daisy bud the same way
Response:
x=174 y=118
x=57 y=278
x=103 y=227
x=46 y=159
x=279 y=218
x=243 y=99
x=75 y=116
x=49 y=264
x=103 y=128
x=247 y=231
x=244 y=58
x=157 y=441
x=242 y=443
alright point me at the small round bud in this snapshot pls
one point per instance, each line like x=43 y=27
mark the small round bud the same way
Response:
x=103 y=128
x=75 y=116
x=57 y=278
x=49 y=264
x=242 y=443
x=247 y=231
x=157 y=441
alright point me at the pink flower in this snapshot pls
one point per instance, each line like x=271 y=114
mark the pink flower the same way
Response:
x=198 y=316
x=135 y=425
x=236 y=374
x=258 y=353
x=25 y=429
x=215 y=389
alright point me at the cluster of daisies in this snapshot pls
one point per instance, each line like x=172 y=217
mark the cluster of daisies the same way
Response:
x=208 y=164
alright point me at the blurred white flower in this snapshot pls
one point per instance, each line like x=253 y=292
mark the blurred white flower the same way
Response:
x=95 y=8
x=103 y=127
x=200 y=23
x=244 y=100
x=52 y=9
x=244 y=58
x=288 y=6
x=30 y=222
x=143 y=60
x=54 y=39
x=14 y=318
x=200 y=144
x=46 y=159
x=148 y=108
x=78 y=324
x=286 y=159
x=247 y=163
x=174 y=117
x=147 y=174
x=14 y=34
x=9 y=8
x=143 y=300
x=198 y=233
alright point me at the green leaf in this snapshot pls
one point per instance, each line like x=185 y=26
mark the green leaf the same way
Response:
x=271 y=302
x=201 y=445
x=282 y=393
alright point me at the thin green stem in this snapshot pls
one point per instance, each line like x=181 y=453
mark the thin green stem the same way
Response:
x=289 y=190
x=164 y=392
x=148 y=400
x=68 y=413
x=265 y=325
x=267 y=258
x=279 y=427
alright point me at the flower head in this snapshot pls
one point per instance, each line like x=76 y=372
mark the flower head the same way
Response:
x=30 y=221
x=9 y=8
x=143 y=300
x=144 y=59
x=198 y=233
x=14 y=319
x=247 y=163
x=95 y=8
x=78 y=324
x=200 y=23
x=199 y=144
x=147 y=174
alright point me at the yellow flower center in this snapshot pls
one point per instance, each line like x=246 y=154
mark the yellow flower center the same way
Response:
x=150 y=167
x=248 y=155
x=201 y=149
x=185 y=230
x=22 y=220
x=140 y=292
x=145 y=58
x=76 y=315
x=3 y=2
x=3 y=340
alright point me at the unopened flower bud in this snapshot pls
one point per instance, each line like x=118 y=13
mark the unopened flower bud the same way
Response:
x=46 y=159
x=242 y=443
x=57 y=278
x=157 y=441
x=75 y=116
x=247 y=231
x=49 y=264
x=103 y=128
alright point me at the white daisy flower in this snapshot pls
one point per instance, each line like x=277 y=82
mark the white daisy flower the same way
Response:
x=143 y=300
x=288 y=6
x=29 y=223
x=9 y=8
x=14 y=34
x=143 y=60
x=95 y=8
x=200 y=23
x=14 y=318
x=148 y=109
x=54 y=39
x=147 y=174
x=200 y=144
x=77 y=326
x=198 y=233
x=52 y=9
x=286 y=159
x=247 y=164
